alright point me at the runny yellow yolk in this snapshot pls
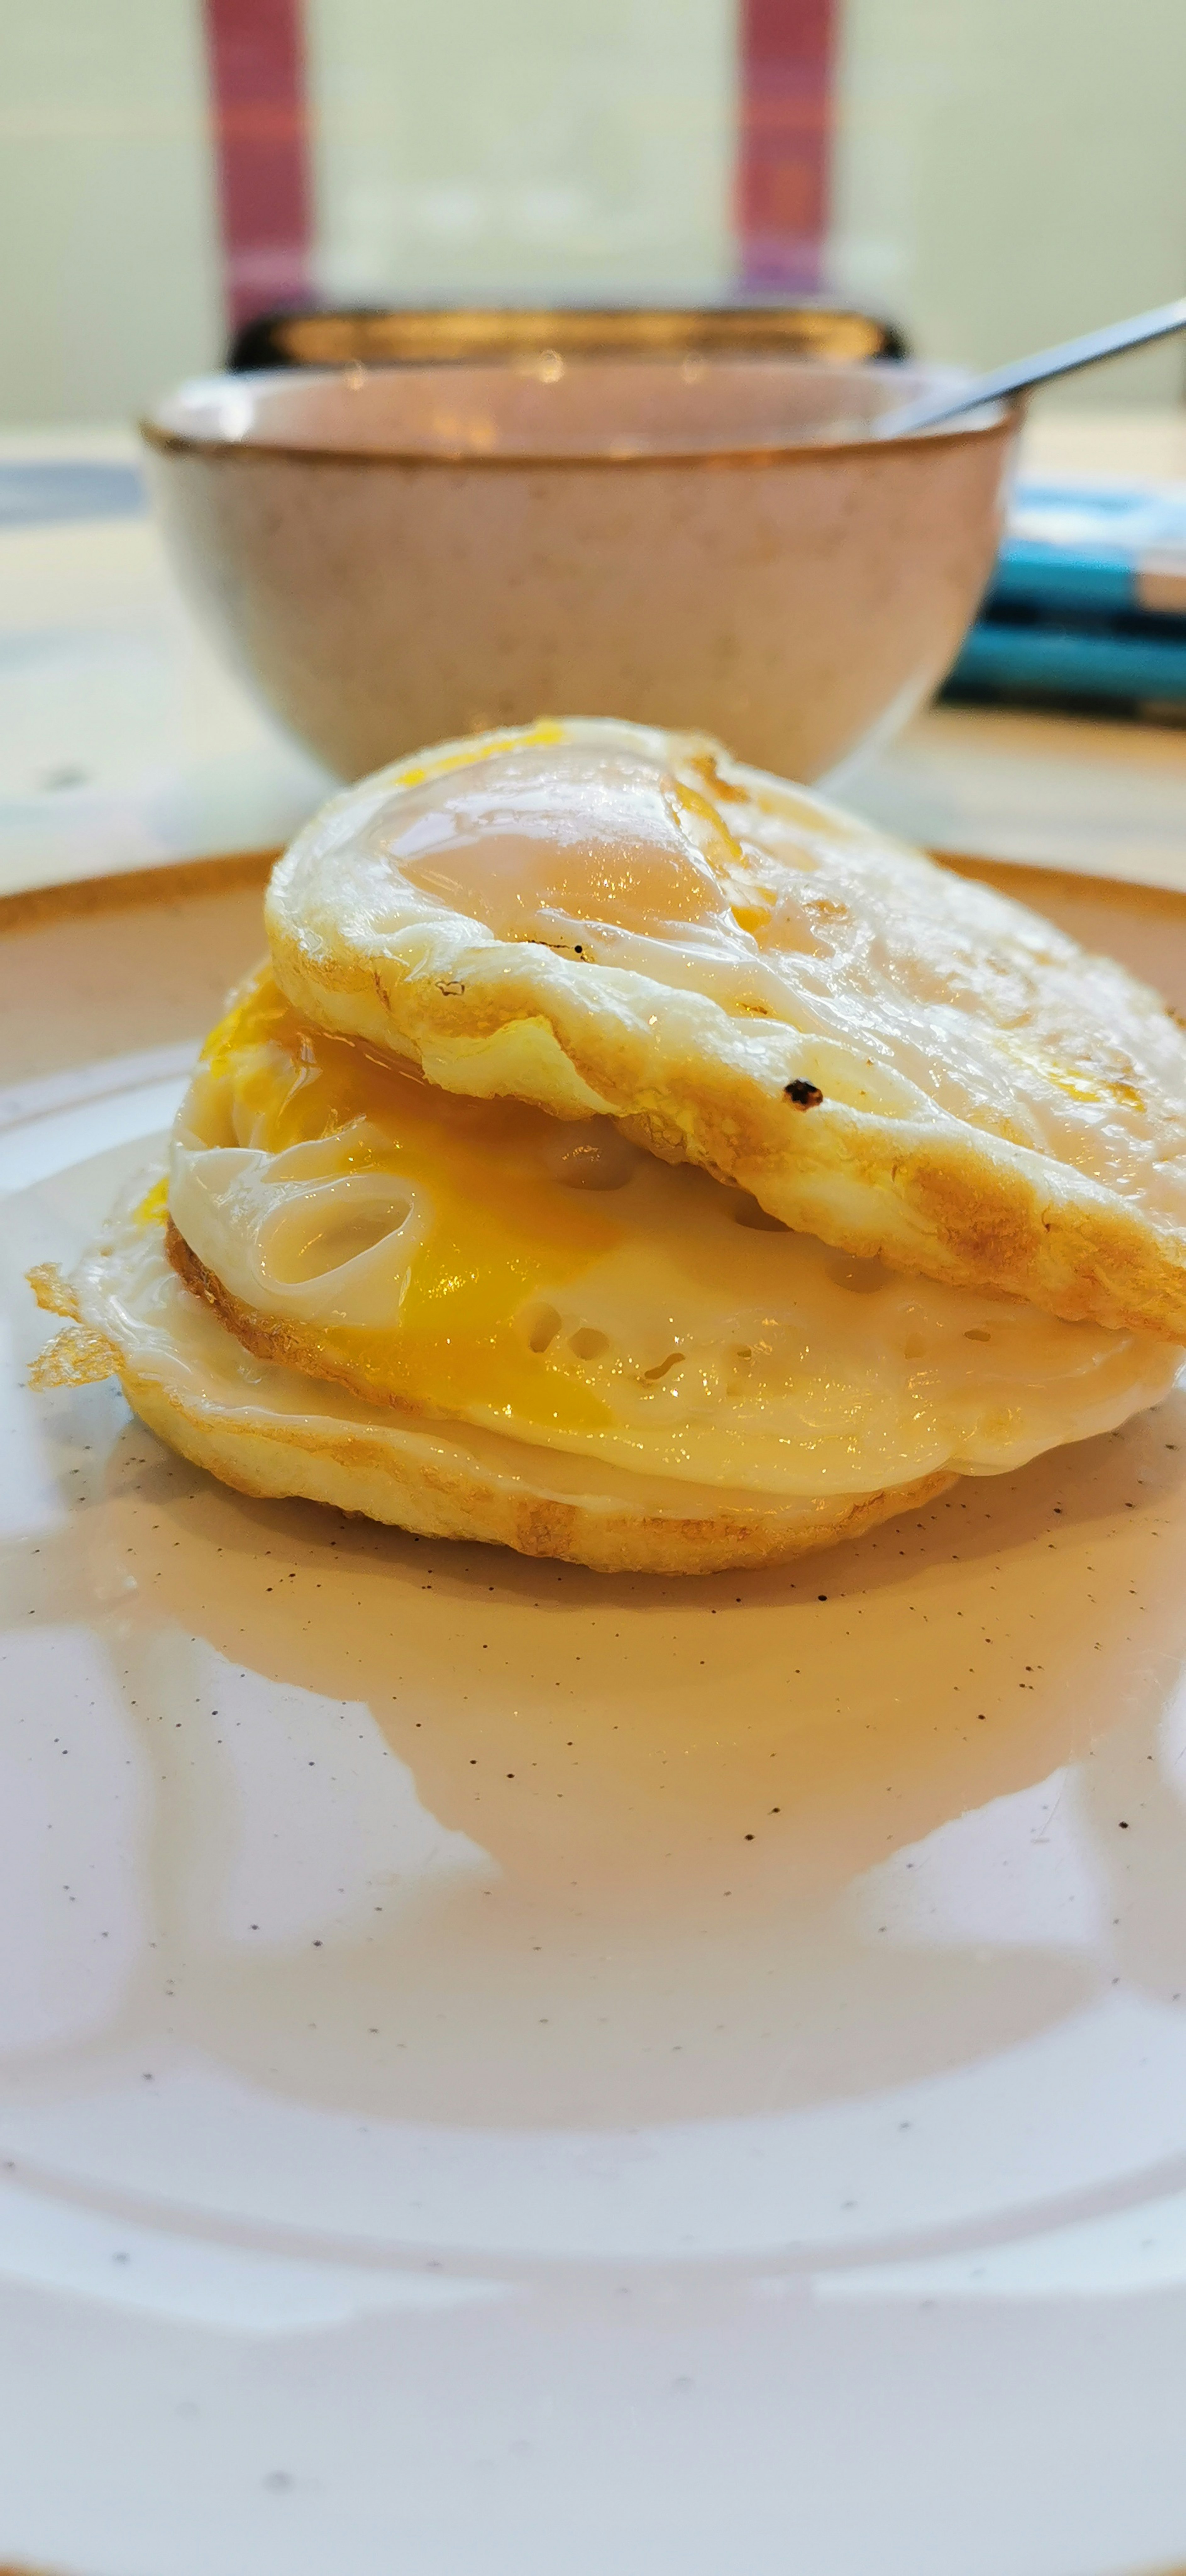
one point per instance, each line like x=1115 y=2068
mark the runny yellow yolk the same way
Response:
x=504 y=1230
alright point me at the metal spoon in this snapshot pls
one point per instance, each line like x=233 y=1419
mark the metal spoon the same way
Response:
x=1024 y=373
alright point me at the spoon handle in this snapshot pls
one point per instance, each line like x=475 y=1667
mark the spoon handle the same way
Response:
x=1027 y=372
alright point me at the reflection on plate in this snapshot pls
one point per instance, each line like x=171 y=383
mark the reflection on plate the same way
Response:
x=641 y=2037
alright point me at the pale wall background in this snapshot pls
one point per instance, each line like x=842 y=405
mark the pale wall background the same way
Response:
x=109 y=272
x=1005 y=172
x=1008 y=172
x=525 y=148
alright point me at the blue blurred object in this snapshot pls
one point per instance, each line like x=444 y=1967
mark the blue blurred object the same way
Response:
x=1087 y=605
x=41 y=492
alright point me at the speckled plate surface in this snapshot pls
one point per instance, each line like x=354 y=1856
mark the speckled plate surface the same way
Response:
x=507 y=2070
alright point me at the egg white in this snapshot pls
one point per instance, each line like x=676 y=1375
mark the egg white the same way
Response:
x=723 y=1352
x=275 y=1430
x=598 y=917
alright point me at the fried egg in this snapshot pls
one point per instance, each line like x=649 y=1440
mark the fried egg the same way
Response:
x=602 y=920
x=451 y=1249
x=482 y=1262
x=267 y=1429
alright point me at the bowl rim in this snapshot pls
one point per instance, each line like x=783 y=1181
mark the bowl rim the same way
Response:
x=991 y=421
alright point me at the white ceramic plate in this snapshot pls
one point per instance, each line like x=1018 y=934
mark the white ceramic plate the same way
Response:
x=505 y=2072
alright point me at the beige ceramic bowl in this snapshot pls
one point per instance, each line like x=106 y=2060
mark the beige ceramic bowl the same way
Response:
x=400 y=555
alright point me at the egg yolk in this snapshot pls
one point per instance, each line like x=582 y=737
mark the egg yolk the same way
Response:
x=519 y=1204
x=544 y=842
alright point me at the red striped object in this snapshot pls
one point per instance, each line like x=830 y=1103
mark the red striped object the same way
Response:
x=256 y=55
x=787 y=54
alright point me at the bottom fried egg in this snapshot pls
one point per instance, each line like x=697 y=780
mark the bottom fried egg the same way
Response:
x=479 y=1263
x=274 y=1431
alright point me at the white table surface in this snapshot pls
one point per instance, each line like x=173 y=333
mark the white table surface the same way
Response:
x=125 y=743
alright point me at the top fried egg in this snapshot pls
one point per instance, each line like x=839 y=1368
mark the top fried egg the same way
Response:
x=601 y=920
